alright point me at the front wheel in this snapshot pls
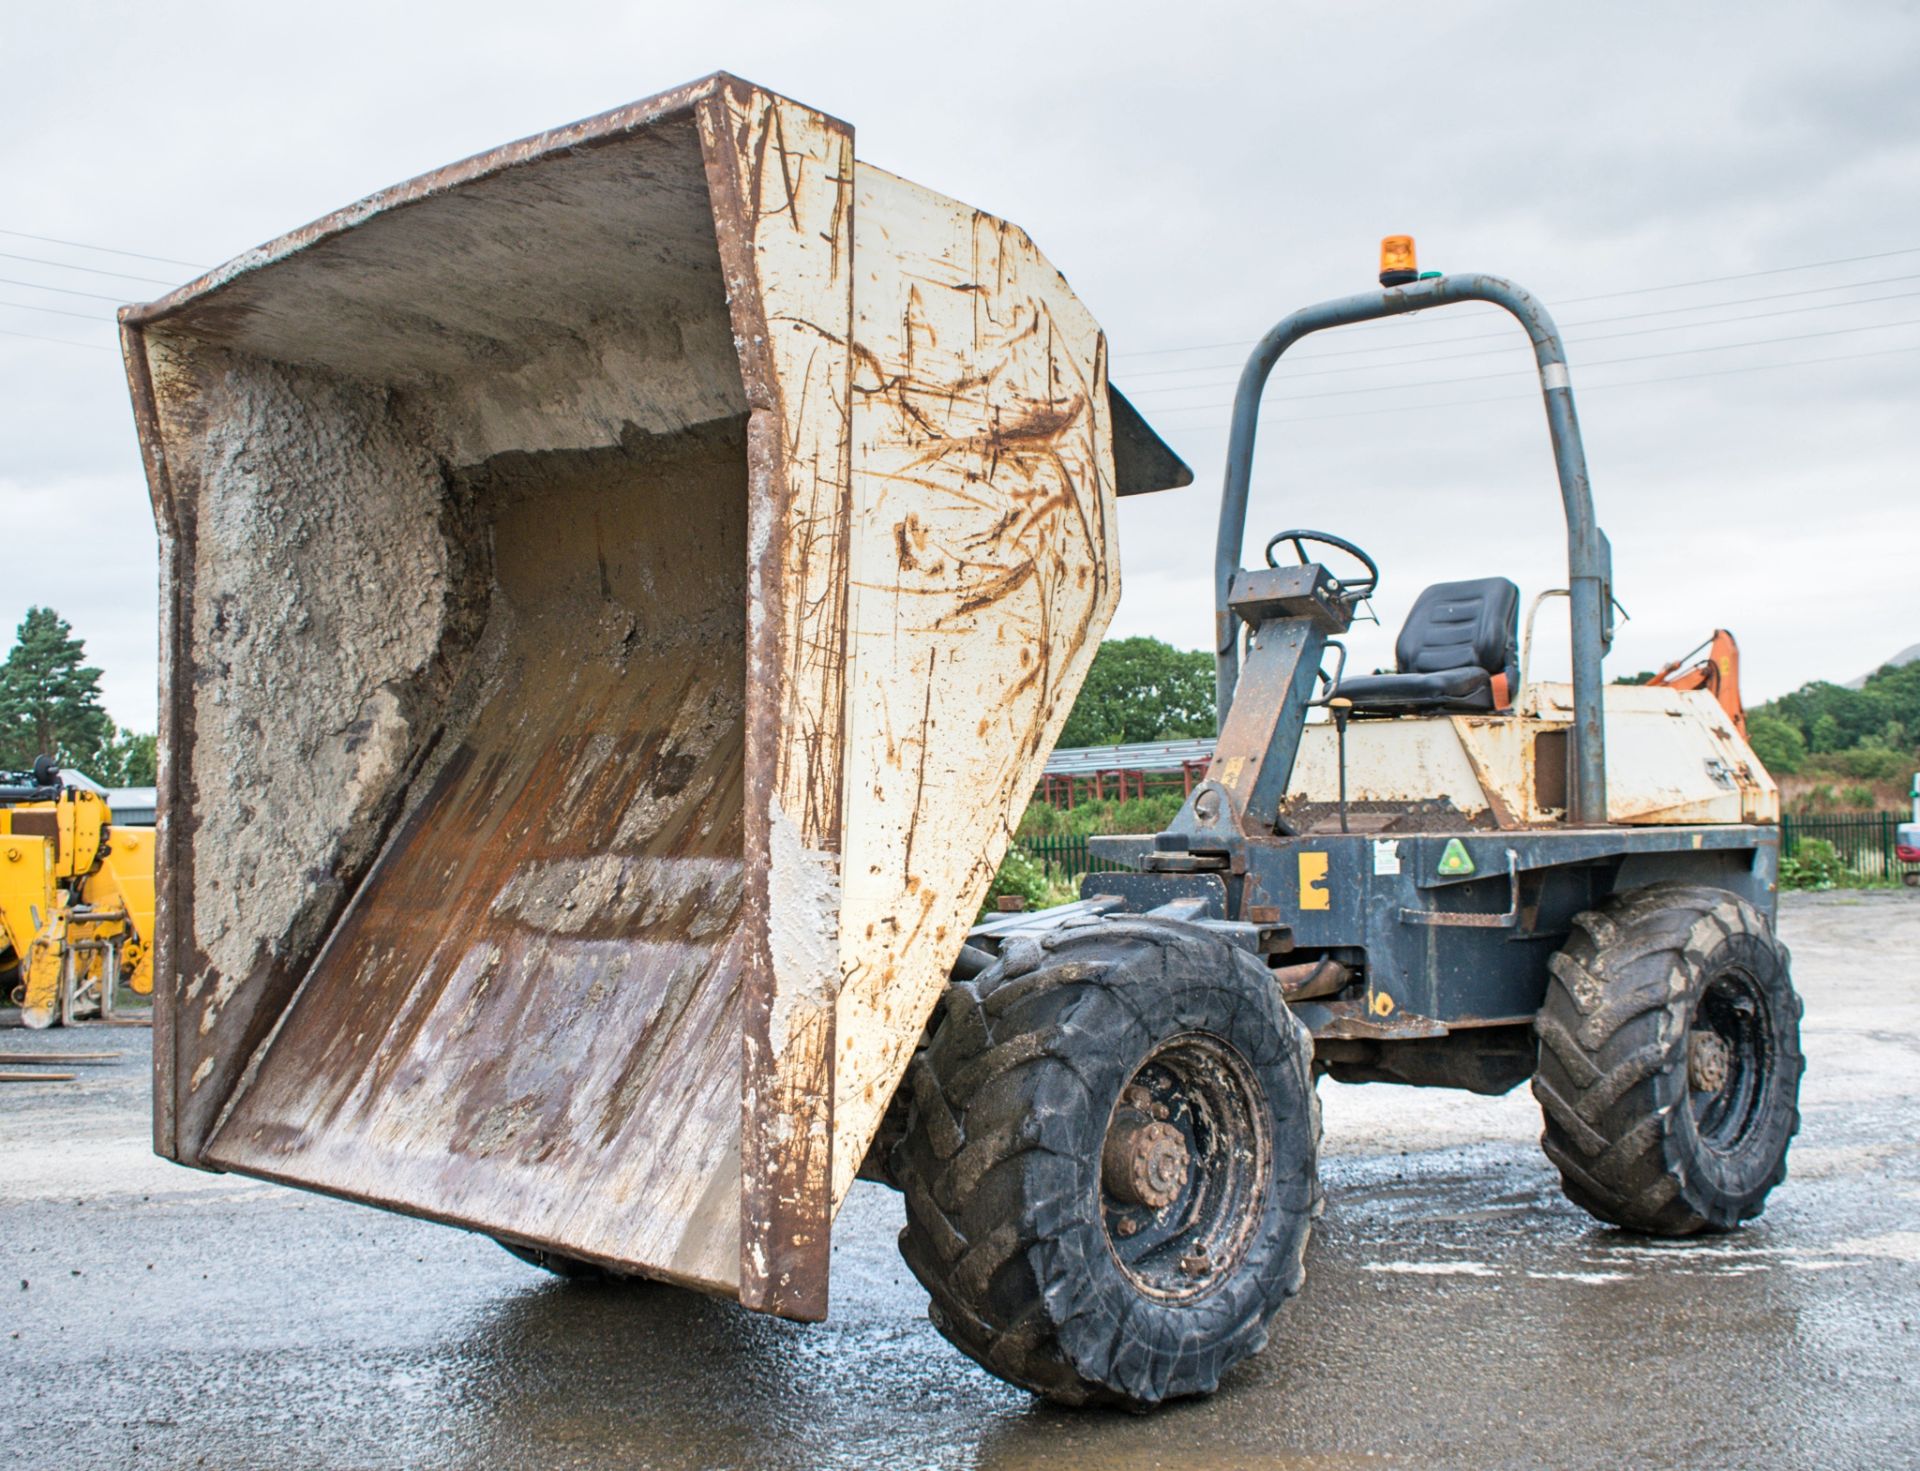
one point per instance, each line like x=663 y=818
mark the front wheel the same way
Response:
x=1669 y=1069
x=1109 y=1162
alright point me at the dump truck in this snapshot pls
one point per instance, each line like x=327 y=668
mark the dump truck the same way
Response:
x=619 y=593
x=76 y=899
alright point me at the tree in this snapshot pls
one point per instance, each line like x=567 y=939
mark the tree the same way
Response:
x=1778 y=744
x=49 y=698
x=128 y=760
x=1831 y=718
x=1141 y=689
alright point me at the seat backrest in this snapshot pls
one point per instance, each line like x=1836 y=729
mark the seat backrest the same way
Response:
x=1455 y=625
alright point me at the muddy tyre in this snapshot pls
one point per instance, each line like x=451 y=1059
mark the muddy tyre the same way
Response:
x=1669 y=1068
x=1110 y=1162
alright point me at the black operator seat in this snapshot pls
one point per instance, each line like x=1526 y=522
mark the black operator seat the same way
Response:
x=1458 y=650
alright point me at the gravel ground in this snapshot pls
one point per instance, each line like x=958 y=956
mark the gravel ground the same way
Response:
x=1457 y=1311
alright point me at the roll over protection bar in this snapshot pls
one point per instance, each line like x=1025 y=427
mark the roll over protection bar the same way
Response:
x=1589 y=556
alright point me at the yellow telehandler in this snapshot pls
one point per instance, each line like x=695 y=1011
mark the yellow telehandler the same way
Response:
x=76 y=899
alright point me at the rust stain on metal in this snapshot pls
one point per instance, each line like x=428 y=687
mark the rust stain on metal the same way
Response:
x=985 y=572
x=775 y=170
x=1353 y=1021
x=540 y=969
x=598 y=131
x=694 y=541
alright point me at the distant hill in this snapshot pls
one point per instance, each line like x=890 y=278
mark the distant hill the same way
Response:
x=1905 y=656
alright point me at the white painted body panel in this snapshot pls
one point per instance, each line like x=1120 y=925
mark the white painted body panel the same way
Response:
x=985 y=568
x=1673 y=758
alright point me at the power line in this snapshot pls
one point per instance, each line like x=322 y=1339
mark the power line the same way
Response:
x=1849 y=260
x=1480 y=352
x=63 y=290
x=27 y=306
x=63 y=341
x=1460 y=403
x=1529 y=372
x=164 y=260
x=1845 y=357
x=1205 y=347
x=40 y=260
x=1511 y=327
x=1571 y=300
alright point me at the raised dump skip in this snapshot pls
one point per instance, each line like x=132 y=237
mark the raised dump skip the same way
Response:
x=619 y=592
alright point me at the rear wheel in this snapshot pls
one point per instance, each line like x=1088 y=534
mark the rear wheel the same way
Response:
x=1669 y=1073
x=1109 y=1162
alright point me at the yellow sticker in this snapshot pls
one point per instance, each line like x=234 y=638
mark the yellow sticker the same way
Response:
x=1382 y=1004
x=1313 y=876
x=1230 y=771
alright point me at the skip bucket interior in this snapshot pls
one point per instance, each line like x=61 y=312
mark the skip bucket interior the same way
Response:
x=618 y=593
x=527 y=1016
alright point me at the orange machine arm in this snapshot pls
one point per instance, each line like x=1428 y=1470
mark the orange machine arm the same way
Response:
x=1718 y=674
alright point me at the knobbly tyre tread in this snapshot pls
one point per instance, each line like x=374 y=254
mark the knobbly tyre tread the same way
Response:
x=1000 y=1161
x=1612 y=1075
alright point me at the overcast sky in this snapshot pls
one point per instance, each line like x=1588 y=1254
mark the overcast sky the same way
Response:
x=1197 y=171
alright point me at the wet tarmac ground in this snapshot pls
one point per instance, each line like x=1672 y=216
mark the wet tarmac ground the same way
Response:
x=1457 y=1311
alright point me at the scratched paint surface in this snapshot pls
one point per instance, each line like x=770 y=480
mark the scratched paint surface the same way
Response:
x=986 y=568
x=782 y=182
x=765 y=507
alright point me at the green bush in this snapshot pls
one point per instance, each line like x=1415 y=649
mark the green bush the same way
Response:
x=1779 y=745
x=1818 y=799
x=1149 y=814
x=1814 y=864
x=1862 y=764
x=1884 y=712
x=1020 y=873
x=1890 y=737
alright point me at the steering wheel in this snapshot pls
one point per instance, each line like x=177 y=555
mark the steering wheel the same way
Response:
x=1354 y=588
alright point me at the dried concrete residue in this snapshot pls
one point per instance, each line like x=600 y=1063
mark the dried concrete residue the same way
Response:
x=328 y=602
x=706 y=719
x=803 y=927
x=624 y=895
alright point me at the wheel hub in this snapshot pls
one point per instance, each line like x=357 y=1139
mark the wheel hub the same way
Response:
x=1728 y=1060
x=1184 y=1166
x=1144 y=1161
x=1709 y=1059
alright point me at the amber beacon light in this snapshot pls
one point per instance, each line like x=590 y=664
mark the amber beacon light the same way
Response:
x=1397 y=265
